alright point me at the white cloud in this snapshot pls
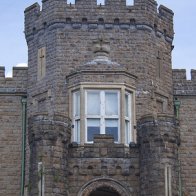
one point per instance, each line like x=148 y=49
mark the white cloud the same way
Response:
x=8 y=70
x=21 y=65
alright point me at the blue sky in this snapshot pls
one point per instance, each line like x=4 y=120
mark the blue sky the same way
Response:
x=13 y=49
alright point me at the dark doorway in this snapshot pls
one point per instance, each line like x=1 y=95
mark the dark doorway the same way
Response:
x=104 y=191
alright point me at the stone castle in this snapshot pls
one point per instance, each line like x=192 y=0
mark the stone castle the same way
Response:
x=99 y=110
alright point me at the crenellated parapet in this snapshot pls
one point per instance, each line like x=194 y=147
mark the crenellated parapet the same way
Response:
x=15 y=84
x=48 y=137
x=103 y=159
x=142 y=15
x=182 y=86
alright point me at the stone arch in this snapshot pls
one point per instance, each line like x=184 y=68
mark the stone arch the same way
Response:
x=111 y=184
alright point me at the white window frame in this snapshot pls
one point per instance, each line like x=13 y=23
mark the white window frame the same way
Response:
x=102 y=116
x=76 y=118
x=81 y=136
x=128 y=118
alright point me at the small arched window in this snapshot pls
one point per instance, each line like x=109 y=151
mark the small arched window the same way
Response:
x=116 y=21
x=100 y=20
x=84 y=20
x=132 y=21
x=68 y=20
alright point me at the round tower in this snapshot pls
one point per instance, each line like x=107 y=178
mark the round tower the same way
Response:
x=158 y=146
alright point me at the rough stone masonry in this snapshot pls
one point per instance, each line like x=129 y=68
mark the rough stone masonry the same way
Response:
x=123 y=54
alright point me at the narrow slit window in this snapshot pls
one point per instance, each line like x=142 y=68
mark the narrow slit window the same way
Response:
x=41 y=69
x=41 y=179
x=168 y=187
x=159 y=64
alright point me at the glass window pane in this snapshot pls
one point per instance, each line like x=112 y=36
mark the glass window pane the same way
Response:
x=93 y=127
x=111 y=103
x=93 y=103
x=127 y=132
x=77 y=130
x=111 y=127
x=77 y=104
x=127 y=105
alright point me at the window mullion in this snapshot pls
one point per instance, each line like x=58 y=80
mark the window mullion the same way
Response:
x=90 y=108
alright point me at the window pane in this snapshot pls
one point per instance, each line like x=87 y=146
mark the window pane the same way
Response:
x=111 y=103
x=93 y=127
x=127 y=132
x=93 y=103
x=111 y=127
x=77 y=131
x=127 y=105
x=77 y=104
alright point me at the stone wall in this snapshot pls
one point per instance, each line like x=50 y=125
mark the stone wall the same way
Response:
x=11 y=92
x=139 y=39
x=103 y=161
x=185 y=92
x=48 y=141
x=158 y=140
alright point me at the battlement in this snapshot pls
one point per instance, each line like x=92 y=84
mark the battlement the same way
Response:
x=165 y=12
x=180 y=75
x=114 y=13
x=15 y=84
x=182 y=86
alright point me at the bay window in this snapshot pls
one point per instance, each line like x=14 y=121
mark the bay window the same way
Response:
x=102 y=111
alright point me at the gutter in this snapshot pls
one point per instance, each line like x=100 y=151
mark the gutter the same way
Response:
x=24 y=117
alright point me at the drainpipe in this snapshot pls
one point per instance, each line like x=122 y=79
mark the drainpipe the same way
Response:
x=177 y=108
x=24 y=116
x=180 y=180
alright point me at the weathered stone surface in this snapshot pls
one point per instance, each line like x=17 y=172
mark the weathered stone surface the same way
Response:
x=185 y=92
x=103 y=160
x=108 y=44
x=158 y=139
x=11 y=92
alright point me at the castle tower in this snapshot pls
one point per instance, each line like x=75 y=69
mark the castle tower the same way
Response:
x=94 y=71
